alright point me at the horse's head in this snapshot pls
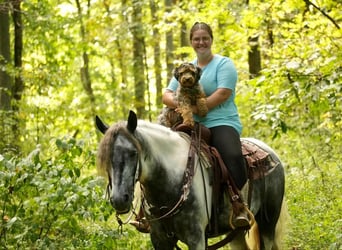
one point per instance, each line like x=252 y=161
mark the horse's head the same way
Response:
x=118 y=157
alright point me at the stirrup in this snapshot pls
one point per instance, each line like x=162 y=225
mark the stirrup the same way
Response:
x=242 y=221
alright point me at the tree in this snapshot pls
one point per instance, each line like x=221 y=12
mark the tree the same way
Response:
x=11 y=83
x=5 y=57
x=254 y=57
x=138 y=58
x=18 y=87
x=169 y=42
x=84 y=70
x=156 y=54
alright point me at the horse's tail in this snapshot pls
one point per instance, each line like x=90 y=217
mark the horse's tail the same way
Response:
x=281 y=227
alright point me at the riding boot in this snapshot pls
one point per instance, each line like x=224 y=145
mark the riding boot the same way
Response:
x=141 y=223
x=241 y=213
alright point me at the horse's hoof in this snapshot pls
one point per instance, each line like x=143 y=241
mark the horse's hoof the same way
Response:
x=141 y=226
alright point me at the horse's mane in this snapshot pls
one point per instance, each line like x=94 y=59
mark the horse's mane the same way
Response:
x=105 y=151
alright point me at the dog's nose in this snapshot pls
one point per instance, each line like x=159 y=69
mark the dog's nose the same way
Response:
x=187 y=78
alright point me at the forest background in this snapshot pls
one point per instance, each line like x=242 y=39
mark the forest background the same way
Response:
x=63 y=62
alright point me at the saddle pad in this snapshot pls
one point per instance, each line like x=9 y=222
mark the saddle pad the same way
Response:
x=260 y=162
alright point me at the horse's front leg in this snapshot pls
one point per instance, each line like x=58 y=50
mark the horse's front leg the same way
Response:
x=197 y=243
x=160 y=239
x=193 y=236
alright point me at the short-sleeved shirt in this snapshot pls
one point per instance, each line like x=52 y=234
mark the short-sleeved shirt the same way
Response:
x=219 y=73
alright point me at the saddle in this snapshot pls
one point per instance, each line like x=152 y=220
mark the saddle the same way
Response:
x=259 y=162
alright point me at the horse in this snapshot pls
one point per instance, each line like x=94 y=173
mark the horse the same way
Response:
x=138 y=151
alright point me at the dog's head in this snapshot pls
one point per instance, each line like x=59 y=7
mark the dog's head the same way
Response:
x=187 y=74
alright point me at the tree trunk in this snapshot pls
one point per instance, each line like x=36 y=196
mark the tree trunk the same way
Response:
x=84 y=70
x=124 y=82
x=122 y=59
x=156 y=55
x=6 y=114
x=254 y=58
x=169 y=44
x=184 y=39
x=18 y=50
x=5 y=58
x=138 y=58
x=18 y=87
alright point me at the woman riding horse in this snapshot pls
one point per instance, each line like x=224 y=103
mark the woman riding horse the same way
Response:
x=218 y=79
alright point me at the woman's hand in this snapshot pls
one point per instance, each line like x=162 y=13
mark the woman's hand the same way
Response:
x=169 y=99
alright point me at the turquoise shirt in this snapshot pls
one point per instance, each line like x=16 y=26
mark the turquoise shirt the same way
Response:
x=219 y=73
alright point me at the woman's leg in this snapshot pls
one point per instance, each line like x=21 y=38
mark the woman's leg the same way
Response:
x=227 y=142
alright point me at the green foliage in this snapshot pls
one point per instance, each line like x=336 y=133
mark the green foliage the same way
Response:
x=44 y=201
x=313 y=184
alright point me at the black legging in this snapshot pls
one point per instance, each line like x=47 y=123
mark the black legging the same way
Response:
x=227 y=142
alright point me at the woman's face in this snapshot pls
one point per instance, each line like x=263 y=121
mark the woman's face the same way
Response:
x=201 y=42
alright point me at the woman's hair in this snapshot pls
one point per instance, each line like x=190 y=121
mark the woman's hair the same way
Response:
x=201 y=26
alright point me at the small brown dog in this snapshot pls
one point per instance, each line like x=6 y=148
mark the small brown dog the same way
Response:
x=189 y=92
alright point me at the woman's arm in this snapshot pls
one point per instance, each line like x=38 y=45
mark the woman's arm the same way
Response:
x=218 y=97
x=169 y=99
x=215 y=99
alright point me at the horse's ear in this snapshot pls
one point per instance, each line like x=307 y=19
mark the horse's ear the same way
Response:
x=132 y=121
x=101 y=125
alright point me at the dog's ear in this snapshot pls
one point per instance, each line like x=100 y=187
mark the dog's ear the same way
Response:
x=199 y=73
x=176 y=73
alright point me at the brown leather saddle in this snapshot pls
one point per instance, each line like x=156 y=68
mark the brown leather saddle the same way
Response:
x=259 y=162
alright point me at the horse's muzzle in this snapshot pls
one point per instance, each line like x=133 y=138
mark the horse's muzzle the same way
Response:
x=121 y=204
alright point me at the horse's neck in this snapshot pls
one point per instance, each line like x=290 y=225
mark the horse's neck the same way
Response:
x=163 y=154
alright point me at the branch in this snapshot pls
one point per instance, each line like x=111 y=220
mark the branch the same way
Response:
x=308 y=2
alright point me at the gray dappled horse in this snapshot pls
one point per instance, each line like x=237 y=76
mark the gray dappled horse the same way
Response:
x=156 y=157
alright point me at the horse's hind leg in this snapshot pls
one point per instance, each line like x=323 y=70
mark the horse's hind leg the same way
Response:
x=272 y=237
x=267 y=235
